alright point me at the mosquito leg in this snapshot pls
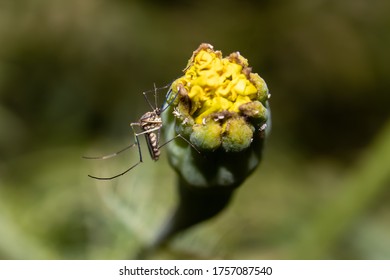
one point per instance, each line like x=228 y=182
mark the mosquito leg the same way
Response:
x=137 y=140
x=114 y=154
x=118 y=152
x=110 y=155
x=148 y=131
x=116 y=176
x=180 y=136
x=127 y=170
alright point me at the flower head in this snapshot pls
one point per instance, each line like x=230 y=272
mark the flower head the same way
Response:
x=221 y=109
x=220 y=100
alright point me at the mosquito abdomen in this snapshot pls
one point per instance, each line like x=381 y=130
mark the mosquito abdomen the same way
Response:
x=152 y=141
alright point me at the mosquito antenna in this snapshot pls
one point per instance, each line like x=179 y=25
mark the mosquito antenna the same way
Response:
x=155 y=96
x=147 y=100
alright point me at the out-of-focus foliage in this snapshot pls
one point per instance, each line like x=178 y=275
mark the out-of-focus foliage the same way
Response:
x=71 y=77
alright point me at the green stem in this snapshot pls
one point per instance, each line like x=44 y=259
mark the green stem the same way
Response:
x=195 y=205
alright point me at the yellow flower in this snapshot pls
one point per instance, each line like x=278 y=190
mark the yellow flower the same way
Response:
x=220 y=102
x=215 y=84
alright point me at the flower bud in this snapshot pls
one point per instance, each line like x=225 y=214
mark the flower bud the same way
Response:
x=221 y=108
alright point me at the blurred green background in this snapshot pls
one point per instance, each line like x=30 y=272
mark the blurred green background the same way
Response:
x=71 y=77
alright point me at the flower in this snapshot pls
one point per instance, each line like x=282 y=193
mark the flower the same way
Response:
x=219 y=101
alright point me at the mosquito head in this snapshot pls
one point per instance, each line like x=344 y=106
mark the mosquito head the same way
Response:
x=158 y=111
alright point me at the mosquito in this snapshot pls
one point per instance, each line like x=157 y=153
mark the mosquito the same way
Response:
x=150 y=125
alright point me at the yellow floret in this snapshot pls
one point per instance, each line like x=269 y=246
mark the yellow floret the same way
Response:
x=215 y=84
